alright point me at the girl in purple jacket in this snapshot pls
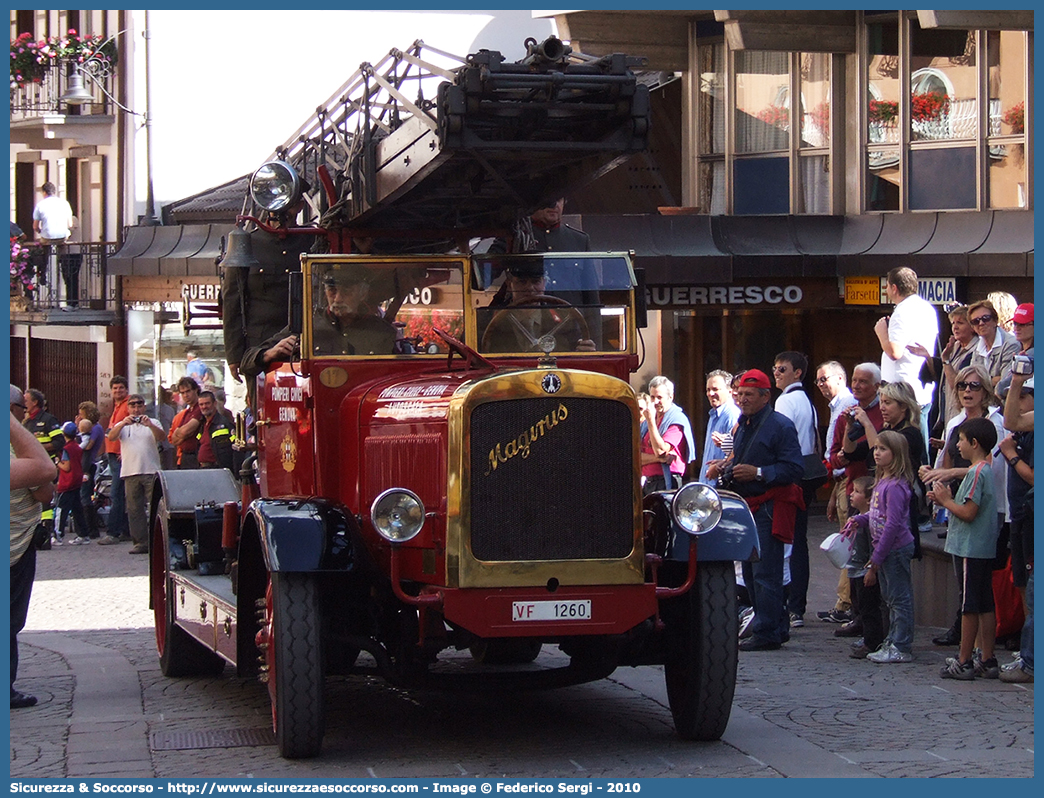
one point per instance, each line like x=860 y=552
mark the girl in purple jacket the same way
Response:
x=893 y=544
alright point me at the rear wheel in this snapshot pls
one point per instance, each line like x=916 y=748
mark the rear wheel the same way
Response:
x=179 y=652
x=702 y=653
x=294 y=655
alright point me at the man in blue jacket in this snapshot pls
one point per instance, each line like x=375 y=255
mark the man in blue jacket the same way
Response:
x=765 y=468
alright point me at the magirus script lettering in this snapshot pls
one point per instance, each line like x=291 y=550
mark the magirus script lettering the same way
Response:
x=519 y=447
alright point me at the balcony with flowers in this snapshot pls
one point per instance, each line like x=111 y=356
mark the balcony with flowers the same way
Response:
x=40 y=73
x=65 y=283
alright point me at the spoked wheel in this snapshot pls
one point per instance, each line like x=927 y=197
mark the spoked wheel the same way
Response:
x=702 y=653
x=505 y=651
x=292 y=645
x=179 y=652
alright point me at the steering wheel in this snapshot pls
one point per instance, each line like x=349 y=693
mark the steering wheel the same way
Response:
x=508 y=315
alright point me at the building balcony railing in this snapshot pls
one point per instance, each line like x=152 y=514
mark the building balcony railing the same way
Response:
x=70 y=285
x=38 y=98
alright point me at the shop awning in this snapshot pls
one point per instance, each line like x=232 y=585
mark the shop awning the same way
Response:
x=138 y=240
x=1010 y=232
x=671 y=249
x=702 y=248
x=163 y=241
x=193 y=237
x=174 y=250
x=204 y=262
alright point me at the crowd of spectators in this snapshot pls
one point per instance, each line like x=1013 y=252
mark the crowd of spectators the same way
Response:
x=939 y=427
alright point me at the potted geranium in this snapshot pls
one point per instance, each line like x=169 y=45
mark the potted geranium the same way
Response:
x=74 y=47
x=929 y=107
x=29 y=61
x=1015 y=118
x=23 y=270
x=885 y=112
x=775 y=115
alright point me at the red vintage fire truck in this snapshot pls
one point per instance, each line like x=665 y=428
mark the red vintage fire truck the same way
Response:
x=443 y=481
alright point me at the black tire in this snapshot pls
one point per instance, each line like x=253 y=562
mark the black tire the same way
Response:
x=702 y=652
x=296 y=677
x=180 y=654
x=505 y=651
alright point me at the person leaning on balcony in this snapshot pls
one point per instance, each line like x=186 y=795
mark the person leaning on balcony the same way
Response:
x=52 y=216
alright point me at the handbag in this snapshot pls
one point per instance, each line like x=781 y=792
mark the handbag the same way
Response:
x=837 y=548
x=815 y=472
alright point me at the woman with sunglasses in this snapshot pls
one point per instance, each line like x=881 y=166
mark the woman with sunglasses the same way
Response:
x=977 y=400
x=956 y=355
x=996 y=347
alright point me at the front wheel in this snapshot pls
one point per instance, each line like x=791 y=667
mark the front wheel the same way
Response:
x=702 y=653
x=180 y=654
x=294 y=655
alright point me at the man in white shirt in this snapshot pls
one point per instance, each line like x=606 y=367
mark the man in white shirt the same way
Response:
x=139 y=437
x=914 y=321
x=52 y=216
x=788 y=371
x=832 y=381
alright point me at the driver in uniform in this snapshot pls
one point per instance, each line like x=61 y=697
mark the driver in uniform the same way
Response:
x=521 y=321
x=346 y=325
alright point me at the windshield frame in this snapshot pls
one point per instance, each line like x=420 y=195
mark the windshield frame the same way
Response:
x=474 y=299
x=313 y=265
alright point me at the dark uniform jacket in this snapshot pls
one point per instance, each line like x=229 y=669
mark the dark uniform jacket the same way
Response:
x=47 y=430
x=254 y=302
x=562 y=238
x=216 y=437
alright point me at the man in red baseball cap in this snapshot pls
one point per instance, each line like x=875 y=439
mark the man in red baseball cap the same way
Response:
x=1023 y=321
x=765 y=467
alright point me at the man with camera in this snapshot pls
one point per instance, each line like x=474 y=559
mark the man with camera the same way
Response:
x=765 y=467
x=138 y=436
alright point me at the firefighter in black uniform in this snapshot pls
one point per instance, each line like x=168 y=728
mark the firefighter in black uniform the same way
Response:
x=551 y=235
x=263 y=291
x=48 y=431
x=547 y=233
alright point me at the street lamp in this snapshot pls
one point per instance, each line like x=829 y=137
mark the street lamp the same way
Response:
x=76 y=93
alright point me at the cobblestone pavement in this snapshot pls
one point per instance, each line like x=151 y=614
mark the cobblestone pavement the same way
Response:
x=88 y=653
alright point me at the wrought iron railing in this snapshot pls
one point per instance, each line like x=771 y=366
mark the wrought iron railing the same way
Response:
x=73 y=275
x=31 y=99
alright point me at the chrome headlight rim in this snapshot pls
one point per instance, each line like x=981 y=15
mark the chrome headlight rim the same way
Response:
x=386 y=515
x=696 y=508
x=282 y=175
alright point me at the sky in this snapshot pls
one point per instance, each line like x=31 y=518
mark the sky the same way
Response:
x=228 y=87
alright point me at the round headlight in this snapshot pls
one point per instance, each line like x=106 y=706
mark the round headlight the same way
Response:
x=696 y=508
x=397 y=515
x=275 y=186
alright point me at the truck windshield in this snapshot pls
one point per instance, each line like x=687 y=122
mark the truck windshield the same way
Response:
x=368 y=308
x=557 y=303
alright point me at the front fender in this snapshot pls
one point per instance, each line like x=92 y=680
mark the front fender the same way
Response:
x=305 y=535
x=734 y=538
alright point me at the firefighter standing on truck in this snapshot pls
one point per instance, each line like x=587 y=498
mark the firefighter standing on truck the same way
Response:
x=48 y=432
